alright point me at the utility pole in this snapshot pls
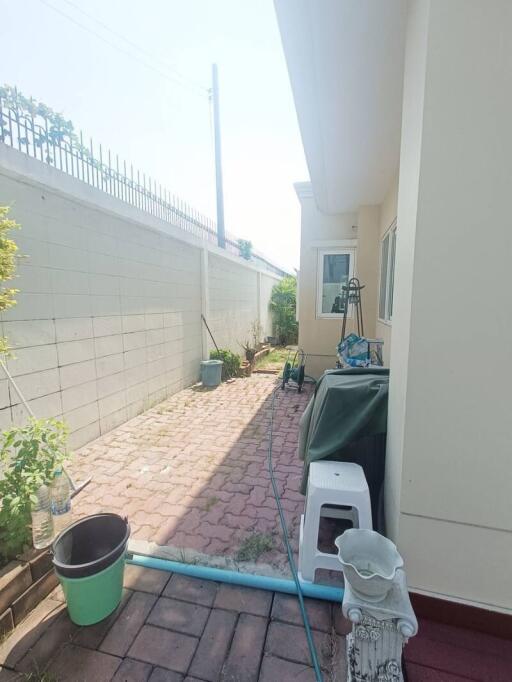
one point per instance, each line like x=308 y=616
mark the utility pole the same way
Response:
x=221 y=235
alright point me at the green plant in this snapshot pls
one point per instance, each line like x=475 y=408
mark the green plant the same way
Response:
x=283 y=306
x=256 y=333
x=8 y=260
x=231 y=361
x=249 y=351
x=210 y=502
x=37 y=676
x=49 y=128
x=29 y=456
x=245 y=248
x=253 y=546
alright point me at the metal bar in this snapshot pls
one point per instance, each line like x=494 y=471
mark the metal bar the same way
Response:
x=126 y=185
x=101 y=167
x=109 y=172
x=46 y=136
x=117 y=175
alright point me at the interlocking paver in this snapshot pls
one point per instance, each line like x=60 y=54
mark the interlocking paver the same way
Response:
x=164 y=648
x=196 y=489
x=132 y=671
x=163 y=675
x=243 y=661
x=286 y=608
x=26 y=634
x=145 y=579
x=180 y=616
x=214 y=645
x=289 y=642
x=128 y=623
x=59 y=632
x=91 y=636
x=278 y=670
x=341 y=624
x=191 y=589
x=243 y=599
x=74 y=664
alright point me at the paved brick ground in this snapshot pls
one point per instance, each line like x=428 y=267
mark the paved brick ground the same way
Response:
x=170 y=628
x=191 y=473
x=175 y=629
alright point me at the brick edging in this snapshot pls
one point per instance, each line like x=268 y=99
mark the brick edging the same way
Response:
x=23 y=584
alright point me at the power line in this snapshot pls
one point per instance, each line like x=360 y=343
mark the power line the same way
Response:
x=186 y=80
x=162 y=74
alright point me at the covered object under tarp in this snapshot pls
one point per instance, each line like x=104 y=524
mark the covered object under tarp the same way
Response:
x=346 y=420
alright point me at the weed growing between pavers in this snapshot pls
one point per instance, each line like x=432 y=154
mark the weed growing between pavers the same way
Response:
x=253 y=546
x=37 y=676
x=210 y=502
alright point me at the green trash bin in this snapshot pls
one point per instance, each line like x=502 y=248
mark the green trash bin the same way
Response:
x=89 y=559
x=211 y=372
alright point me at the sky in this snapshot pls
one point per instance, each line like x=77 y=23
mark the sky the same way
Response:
x=153 y=110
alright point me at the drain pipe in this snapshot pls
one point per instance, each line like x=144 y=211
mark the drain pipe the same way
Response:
x=261 y=582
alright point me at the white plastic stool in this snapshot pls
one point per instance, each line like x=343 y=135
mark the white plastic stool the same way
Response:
x=342 y=484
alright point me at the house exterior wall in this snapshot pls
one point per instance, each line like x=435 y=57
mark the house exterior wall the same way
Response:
x=368 y=225
x=449 y=466
x=388 y=213
x=318 y=337
x=108 y=315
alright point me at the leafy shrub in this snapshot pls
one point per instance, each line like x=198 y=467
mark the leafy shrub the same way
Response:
x=29 y=456
x=231 y=361
x=245 y=248
x=8 y=260
x=283 y=306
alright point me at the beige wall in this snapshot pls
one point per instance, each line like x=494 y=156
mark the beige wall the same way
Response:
x=388 y=212
x=368 y=224
x=449 y=464
x=318 y=337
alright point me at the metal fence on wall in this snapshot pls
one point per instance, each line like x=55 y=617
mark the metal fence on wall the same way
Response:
x=37 y=131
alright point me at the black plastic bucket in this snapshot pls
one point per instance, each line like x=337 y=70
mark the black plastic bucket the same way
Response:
x=90 y=545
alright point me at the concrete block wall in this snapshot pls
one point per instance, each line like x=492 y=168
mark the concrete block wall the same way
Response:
x=266 y=285
x=108 y=316
x=233 y=304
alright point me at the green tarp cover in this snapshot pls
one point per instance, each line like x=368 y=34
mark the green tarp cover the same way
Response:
x=348 y=405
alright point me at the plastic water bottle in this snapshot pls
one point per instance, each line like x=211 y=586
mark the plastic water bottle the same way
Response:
x=42 y=524
x=60 y=502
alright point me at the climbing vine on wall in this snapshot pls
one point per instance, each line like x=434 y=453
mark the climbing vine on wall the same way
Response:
x=41 y=126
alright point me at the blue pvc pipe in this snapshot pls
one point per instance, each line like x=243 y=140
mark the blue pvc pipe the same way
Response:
x=261 y=582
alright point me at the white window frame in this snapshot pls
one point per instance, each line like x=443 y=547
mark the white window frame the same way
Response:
x=334 y=251
x=390 y=273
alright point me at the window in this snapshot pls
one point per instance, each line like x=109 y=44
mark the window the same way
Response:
x=335 y=268
x=387 y=274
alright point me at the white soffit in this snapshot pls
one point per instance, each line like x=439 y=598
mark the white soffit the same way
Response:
x=345 y=60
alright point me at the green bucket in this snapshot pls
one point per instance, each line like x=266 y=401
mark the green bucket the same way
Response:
x=94 y=597
x=89 y=558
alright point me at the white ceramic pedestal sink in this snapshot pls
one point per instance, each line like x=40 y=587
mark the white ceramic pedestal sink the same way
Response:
x=369 y=561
